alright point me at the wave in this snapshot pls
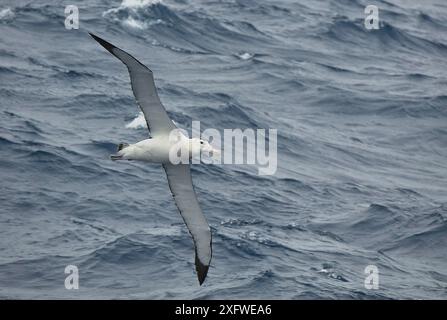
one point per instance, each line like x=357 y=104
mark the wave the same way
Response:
x=430 y=21
x=141 y=14
x=137 y=14
x=6 y=142
x=138 y=3
x=230 y=115
x=6 y=15
x=377 y=221
x=388 y=37
x=137 y=123
x=182 y=30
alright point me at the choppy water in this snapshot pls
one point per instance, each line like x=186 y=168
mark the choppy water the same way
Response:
x=362 y=146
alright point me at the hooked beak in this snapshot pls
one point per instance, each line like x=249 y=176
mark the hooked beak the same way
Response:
x=215 y=152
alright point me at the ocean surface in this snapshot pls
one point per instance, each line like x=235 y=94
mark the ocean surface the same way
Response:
x=362 y=149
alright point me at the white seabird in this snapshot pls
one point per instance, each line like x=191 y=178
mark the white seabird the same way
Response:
x=156 y=150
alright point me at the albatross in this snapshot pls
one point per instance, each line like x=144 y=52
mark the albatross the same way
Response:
x=157 y=149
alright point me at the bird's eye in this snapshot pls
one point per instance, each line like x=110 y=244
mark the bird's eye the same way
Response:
x=201 y=142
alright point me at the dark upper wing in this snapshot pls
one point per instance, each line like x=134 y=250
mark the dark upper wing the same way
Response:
x=180 y=183
x=145 y=92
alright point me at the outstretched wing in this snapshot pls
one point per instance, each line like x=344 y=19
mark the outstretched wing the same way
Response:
x=180 y=183
x=144 y=90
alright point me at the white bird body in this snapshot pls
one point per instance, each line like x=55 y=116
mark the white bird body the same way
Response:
x=150 y=150
x=158 y=149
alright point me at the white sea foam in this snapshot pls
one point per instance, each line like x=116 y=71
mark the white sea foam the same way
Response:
x=132 y=4
x=131 y=9
x=133 y=23
x=138 y=3
x=138 y=122
x=6 y=14
x=245 y=56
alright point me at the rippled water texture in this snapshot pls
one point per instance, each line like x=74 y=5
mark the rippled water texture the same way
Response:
x=362 y=146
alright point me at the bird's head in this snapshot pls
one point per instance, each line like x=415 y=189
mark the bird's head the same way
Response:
x=201 y=145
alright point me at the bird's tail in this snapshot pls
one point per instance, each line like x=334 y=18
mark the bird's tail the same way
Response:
x=121 y=146
x=115 y=157
x=119 y=155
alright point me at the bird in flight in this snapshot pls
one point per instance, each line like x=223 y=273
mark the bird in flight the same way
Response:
x=157 y=150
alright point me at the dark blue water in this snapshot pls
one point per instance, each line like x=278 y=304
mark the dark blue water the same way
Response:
x=362 y=147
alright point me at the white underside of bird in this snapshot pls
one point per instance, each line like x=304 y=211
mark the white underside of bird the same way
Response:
x=160 y=149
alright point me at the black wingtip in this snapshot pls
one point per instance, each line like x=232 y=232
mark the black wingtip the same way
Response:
x=202 y=270
x=103 y=42
x=113 y=50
